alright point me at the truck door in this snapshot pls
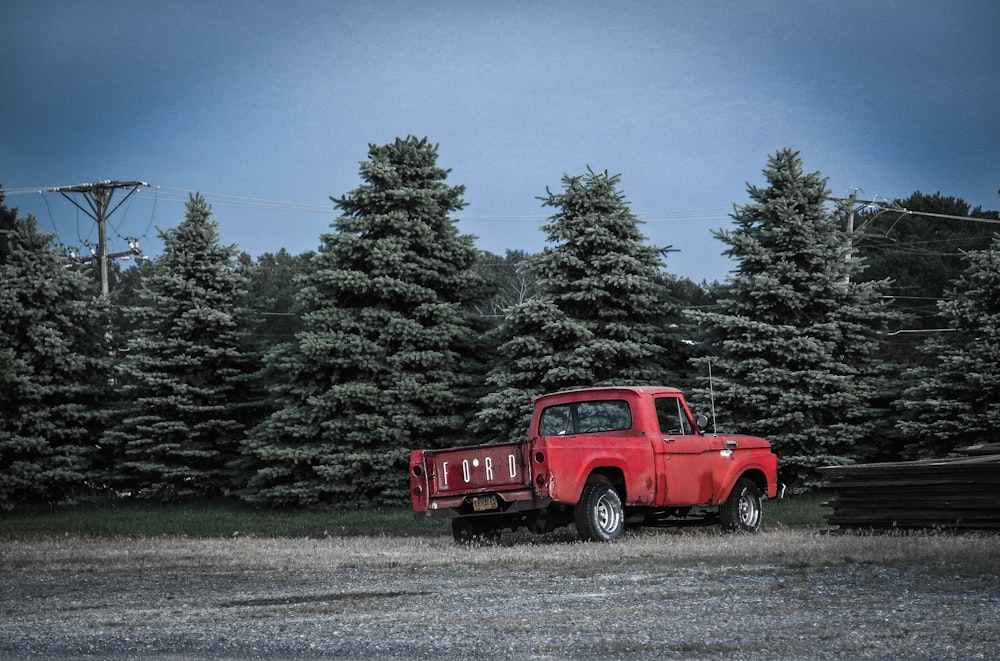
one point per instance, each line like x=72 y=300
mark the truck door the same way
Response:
x=683 y=460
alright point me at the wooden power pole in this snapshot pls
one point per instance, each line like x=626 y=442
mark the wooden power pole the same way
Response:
x=98 y=198
x=850 y=230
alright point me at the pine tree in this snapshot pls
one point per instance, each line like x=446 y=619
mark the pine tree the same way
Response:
x=183 y=380
x=794 y=343
x=53 y=367
x=598 y=315
x=956 y=401
x=382 y=363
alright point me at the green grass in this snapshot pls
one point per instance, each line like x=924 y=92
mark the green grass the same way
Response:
x=206 y=519
x=229 y=519
x=797 y=511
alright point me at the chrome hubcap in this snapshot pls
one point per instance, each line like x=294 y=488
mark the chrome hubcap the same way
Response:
x=607 y=514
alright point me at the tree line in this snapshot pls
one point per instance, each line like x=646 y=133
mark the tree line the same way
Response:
x=305 y=380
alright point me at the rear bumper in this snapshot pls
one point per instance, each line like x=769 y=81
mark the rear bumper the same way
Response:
x=521 y=500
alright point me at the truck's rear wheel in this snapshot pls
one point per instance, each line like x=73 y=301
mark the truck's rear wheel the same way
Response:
x=742 y=511
x=599 y=514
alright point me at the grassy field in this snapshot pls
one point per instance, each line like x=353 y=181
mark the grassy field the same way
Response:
x=228 y=519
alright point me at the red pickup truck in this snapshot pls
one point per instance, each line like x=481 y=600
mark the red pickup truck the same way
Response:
x=600 y=458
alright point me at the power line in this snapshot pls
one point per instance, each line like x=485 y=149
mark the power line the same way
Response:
x=175 y=194
x=920 y=331
x=180 y=195
x=874 y=205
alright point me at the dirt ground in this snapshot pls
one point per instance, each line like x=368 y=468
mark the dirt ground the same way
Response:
x=770 y=596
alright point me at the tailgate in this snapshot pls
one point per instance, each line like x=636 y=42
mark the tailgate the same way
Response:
x=479 y=468
x=443 y=478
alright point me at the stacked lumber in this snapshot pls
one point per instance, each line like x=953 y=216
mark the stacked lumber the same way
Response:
x=961 y=493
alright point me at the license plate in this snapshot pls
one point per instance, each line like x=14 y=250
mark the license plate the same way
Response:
x=483 y=504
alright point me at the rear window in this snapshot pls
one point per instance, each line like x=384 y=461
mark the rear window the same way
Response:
x=582 y=417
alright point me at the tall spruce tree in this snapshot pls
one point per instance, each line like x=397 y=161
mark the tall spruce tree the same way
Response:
x=598 y=315
x=382 y=363
x=793 y=345
x=53 y=367
x=956 y=399
x=182 y=382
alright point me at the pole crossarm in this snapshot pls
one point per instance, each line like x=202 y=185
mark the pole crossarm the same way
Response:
x=86 y=188
x=98 y=195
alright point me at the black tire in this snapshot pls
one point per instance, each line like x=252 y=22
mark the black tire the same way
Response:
x=599 y=515
x=742 y=510
x=468 y=531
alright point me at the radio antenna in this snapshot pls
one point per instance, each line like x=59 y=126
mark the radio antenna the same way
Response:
x=711 y=396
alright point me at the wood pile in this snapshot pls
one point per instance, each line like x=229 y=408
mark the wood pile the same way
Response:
x=961 y=493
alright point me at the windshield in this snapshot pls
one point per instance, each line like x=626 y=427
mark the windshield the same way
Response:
x=583 y=417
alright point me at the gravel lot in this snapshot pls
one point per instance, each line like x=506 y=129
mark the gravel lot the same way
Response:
x=688 y=595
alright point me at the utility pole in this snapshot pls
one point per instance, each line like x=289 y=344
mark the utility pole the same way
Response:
x=98 y=197
x=850 y=231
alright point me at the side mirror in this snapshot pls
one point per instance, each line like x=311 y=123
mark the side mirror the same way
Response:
x=702 y=421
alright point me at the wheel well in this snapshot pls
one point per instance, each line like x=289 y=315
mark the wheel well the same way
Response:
x=758 y=478
x=613 y=476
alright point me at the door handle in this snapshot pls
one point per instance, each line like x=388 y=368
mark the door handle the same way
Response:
x=732 y=445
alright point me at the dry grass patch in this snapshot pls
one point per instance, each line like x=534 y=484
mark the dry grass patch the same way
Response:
x=791 y=548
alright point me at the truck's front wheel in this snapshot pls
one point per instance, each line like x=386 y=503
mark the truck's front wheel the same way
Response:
x=742 y=511
x=599 y=514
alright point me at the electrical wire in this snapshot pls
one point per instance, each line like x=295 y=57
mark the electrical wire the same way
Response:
x=176 y=194
x=181 y=195
x=875 y=205
x=173 y=194
x=52 y=218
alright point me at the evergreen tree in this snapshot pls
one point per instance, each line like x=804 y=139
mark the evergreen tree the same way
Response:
x=382 y=363
x=183 y=380
x=53 y=367
x=598 y=315
x=794 y=344
x=956 y=401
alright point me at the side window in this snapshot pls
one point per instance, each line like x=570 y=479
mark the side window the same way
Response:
x=556 y=421
x=671 y=416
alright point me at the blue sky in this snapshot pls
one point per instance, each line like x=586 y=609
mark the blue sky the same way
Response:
x=250 y=102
